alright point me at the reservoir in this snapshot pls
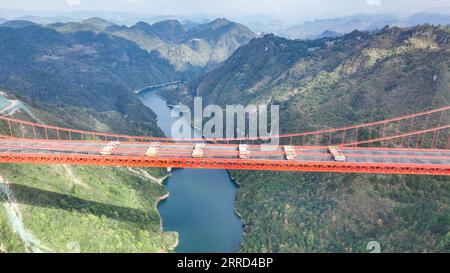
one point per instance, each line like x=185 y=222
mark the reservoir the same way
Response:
x=201 y=202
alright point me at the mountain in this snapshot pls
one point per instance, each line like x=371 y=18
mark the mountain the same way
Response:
x=326 y=34
x=18 y=24
x=44 y=201
x=189 y=24
x=328 y=83
x=273 y=69
x=194 y=48
x=198 y=47
x=428 y=18
x=170 y=31
x=43 y=20
x=346 y=24
x=97 y=23
x=94 y=24
x=81 y=69
x=81 y=80
x=362 y=22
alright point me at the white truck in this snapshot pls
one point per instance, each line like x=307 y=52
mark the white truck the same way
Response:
x=244 y=153
x=153 y=149
x=199 y=150
x=110 y=148
x=336 y=153
x=290 y=153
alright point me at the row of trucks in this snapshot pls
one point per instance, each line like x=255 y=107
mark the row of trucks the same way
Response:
x=244 y=152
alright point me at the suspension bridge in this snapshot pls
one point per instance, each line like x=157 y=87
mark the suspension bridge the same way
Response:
x=413 y=144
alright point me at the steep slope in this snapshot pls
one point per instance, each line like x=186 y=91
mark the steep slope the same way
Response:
x=327 y=83
x=62 y=208
x=81 y=80
x=202 y=46
x=337 y=81
x=190 y=50
x=80 y=69
x=170 y=31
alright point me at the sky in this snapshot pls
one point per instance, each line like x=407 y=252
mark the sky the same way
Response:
x=283 y=9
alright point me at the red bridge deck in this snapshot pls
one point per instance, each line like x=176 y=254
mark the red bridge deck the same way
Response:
x=223 y=156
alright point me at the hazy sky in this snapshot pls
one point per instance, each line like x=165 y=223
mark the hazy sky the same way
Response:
x=276 y=8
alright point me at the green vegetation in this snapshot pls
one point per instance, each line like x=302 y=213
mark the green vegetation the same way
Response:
x=98 y=209
x=190 y=51
x=84 y=70
x=292 y=212
x=329 y=83
x=102 y=209
x=9 y=241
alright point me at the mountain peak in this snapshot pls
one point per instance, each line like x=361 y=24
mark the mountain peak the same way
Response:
x=170 y=30
x=146 y=27
x=19 y=24
x=143 y=25
x=218 y=23
x=98 y=23
x=96 y=20
x=169 y=22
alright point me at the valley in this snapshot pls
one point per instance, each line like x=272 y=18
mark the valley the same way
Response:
x=200 y=207
x=63 y=208
x=329 y=83
x=101 y=76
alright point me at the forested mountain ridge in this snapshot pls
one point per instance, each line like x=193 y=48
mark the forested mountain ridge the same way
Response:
x=82 y=80
x=324 y=84
x=345 y=80
x=62 y=208
x=197 y=48
x=81 y=69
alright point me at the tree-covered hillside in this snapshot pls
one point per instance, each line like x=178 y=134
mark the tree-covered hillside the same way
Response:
x=63 y=208
x=83 y=80
x=80 y=69
x=341 y=81
x=190 y=50
x=324 y=84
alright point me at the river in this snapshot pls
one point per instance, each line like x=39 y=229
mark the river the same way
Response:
x=201 y=202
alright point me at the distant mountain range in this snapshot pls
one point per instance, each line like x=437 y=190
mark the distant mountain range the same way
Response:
x=187 y=47
x=362 y=22
x=18 y=23
x=96 y=64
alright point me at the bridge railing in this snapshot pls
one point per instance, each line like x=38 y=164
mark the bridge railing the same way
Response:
x=430 y=129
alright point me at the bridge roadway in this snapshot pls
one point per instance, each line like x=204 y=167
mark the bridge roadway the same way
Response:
x=225 y=151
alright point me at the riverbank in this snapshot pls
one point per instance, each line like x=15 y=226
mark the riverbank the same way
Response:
x=160 y=181
x=238 y=214
x=161 y=226
x=199 y=205
x=177 y=235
